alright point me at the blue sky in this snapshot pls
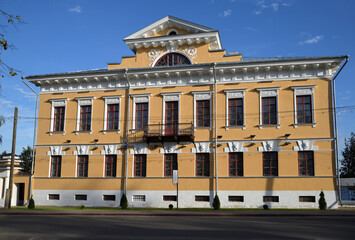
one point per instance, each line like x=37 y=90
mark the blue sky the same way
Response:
x=72 y=35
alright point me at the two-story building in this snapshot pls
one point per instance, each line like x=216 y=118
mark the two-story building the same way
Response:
x=254 y=131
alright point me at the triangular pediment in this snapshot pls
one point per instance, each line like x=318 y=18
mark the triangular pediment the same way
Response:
x=169 y=22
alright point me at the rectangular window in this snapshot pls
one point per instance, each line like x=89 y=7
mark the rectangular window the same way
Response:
x=203 y=113
x=141 y=115
x=235 y=198
x=170 y=164
x=109 y=197
x=113 y=116
x=81 y=197
x=53 y=196
x=138 y=198
x=235 y=112
x=56 y=164
x=111 y=165
x=270 y=198
x=269 y=113
x=270 y=163
x=236 y=164
x=169 y=198
x=307 y=199
x=202 y=198
x=140 y=163
x=83 y=163
x=304 y=109
x=58 y=125
x=85 y=118
x=202 y=164
x=306 y=163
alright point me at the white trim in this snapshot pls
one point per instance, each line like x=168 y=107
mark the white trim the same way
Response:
x=270 y=146
x=170 y=97
x=268 y=92
x=112 y=100
x=60 y=102
x=305 y=145
x=235 y=94
x=139 y=98
x=235 y=146
x=83 y=101
x=303 y=91
x=202 y=95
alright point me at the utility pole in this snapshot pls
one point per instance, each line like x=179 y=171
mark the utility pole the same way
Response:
x=9 y=190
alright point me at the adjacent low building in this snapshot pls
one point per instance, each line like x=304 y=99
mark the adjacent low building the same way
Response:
x=254 y=131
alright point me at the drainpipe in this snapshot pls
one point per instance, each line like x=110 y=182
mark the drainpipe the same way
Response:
x=336 y=128
x=34 y=138
x=215 y=125
x=127 y=133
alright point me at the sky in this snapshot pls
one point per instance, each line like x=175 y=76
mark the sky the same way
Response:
x=71 y=35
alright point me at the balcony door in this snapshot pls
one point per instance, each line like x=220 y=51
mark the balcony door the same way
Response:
x=171 y=117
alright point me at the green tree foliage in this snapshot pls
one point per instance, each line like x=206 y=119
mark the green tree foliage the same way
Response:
x=26 y=157
x=216 y=203
x=321 y=202
x=31 y=203
x=348 y=160
x=124 y=202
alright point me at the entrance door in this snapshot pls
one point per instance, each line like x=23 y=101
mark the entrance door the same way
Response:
x=20 y=194
x=171 y=118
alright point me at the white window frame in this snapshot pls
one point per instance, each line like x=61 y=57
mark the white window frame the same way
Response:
x=268 y=92
x=303 y=91
x=60 y=102
x=112 y=100
x=83 y=101
x=139 y=98
x=202 y=95
x=170 y=97
x=234 y=94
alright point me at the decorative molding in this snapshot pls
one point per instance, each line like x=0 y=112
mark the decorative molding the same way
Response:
x=110 y=150
x=301 y=91
x=82 y=150
x=235 y=146
x=233 y=94
x=170 y=148
x=270 y=146
x=202 y=147
x=154 y=55
x=268 y=92
x=140 y=148
x=202 y=95
x=55 y=151
x=305 y=145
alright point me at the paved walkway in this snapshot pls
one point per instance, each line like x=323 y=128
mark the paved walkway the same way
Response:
x=224 y=213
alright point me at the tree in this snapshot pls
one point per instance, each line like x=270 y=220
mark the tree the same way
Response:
x=3 y=153
x=321 y=202
x=26 y=157
x=123 y=202
x=348 y=161
x=216 y=203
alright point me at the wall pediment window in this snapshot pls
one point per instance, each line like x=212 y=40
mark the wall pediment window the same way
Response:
x=173 y=59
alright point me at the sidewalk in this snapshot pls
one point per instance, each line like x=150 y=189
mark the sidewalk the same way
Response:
x=219 y=213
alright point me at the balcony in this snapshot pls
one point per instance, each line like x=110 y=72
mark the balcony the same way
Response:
x=177 y=132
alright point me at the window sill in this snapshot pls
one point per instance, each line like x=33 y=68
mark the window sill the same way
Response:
x=269 y=125
x=114 y=130
x=77 y=132
x=56 y=132
x=198 y=128
x=304 y=124
x=236 y=126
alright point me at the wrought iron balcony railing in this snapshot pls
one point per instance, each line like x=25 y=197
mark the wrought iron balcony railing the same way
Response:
x=169 y=132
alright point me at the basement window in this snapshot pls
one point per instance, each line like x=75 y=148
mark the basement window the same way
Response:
x=138 y=198
x=202 y=198
x=81 y=197
x=169 y=198
x=235 y=198
x=53 y=196
x=271 y=199
x=307 y=199
x=109 y=197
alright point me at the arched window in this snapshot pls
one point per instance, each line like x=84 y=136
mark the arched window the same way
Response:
x=172 y=59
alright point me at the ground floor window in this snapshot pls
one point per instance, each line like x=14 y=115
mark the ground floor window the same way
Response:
x=140 y=165
x=170 y=164
x=202 y=164
x=236 y=164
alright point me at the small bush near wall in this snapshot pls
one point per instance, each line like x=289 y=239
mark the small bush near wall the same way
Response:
x=322 y=203
x=31 y=203
x=216 y=203
x=124 y=202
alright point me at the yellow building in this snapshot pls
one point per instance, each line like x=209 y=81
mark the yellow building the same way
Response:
x=254 y=131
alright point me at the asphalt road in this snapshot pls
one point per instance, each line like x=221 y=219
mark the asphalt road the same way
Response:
x=181 y=227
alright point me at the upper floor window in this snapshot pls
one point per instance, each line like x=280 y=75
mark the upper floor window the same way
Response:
x=235 y=110
x=85 y=118
x=112 y=113
x=172 y=59
x=203 y=113
x=269 y=110
x=141 y=115
x=304 y=105
x=58 y=115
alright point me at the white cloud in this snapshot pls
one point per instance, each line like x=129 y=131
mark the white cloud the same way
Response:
x=262 y=5
x=76 y=9
x=26 y=94
x=6 y=103
x=312 y=40
x=227 y=13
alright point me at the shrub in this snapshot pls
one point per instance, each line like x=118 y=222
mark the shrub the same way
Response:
x=82 y=207
x=124 y=202
x=31 y=203
x=266 y=207
x=321 y=202
x=216 y=203
x=171 y=206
